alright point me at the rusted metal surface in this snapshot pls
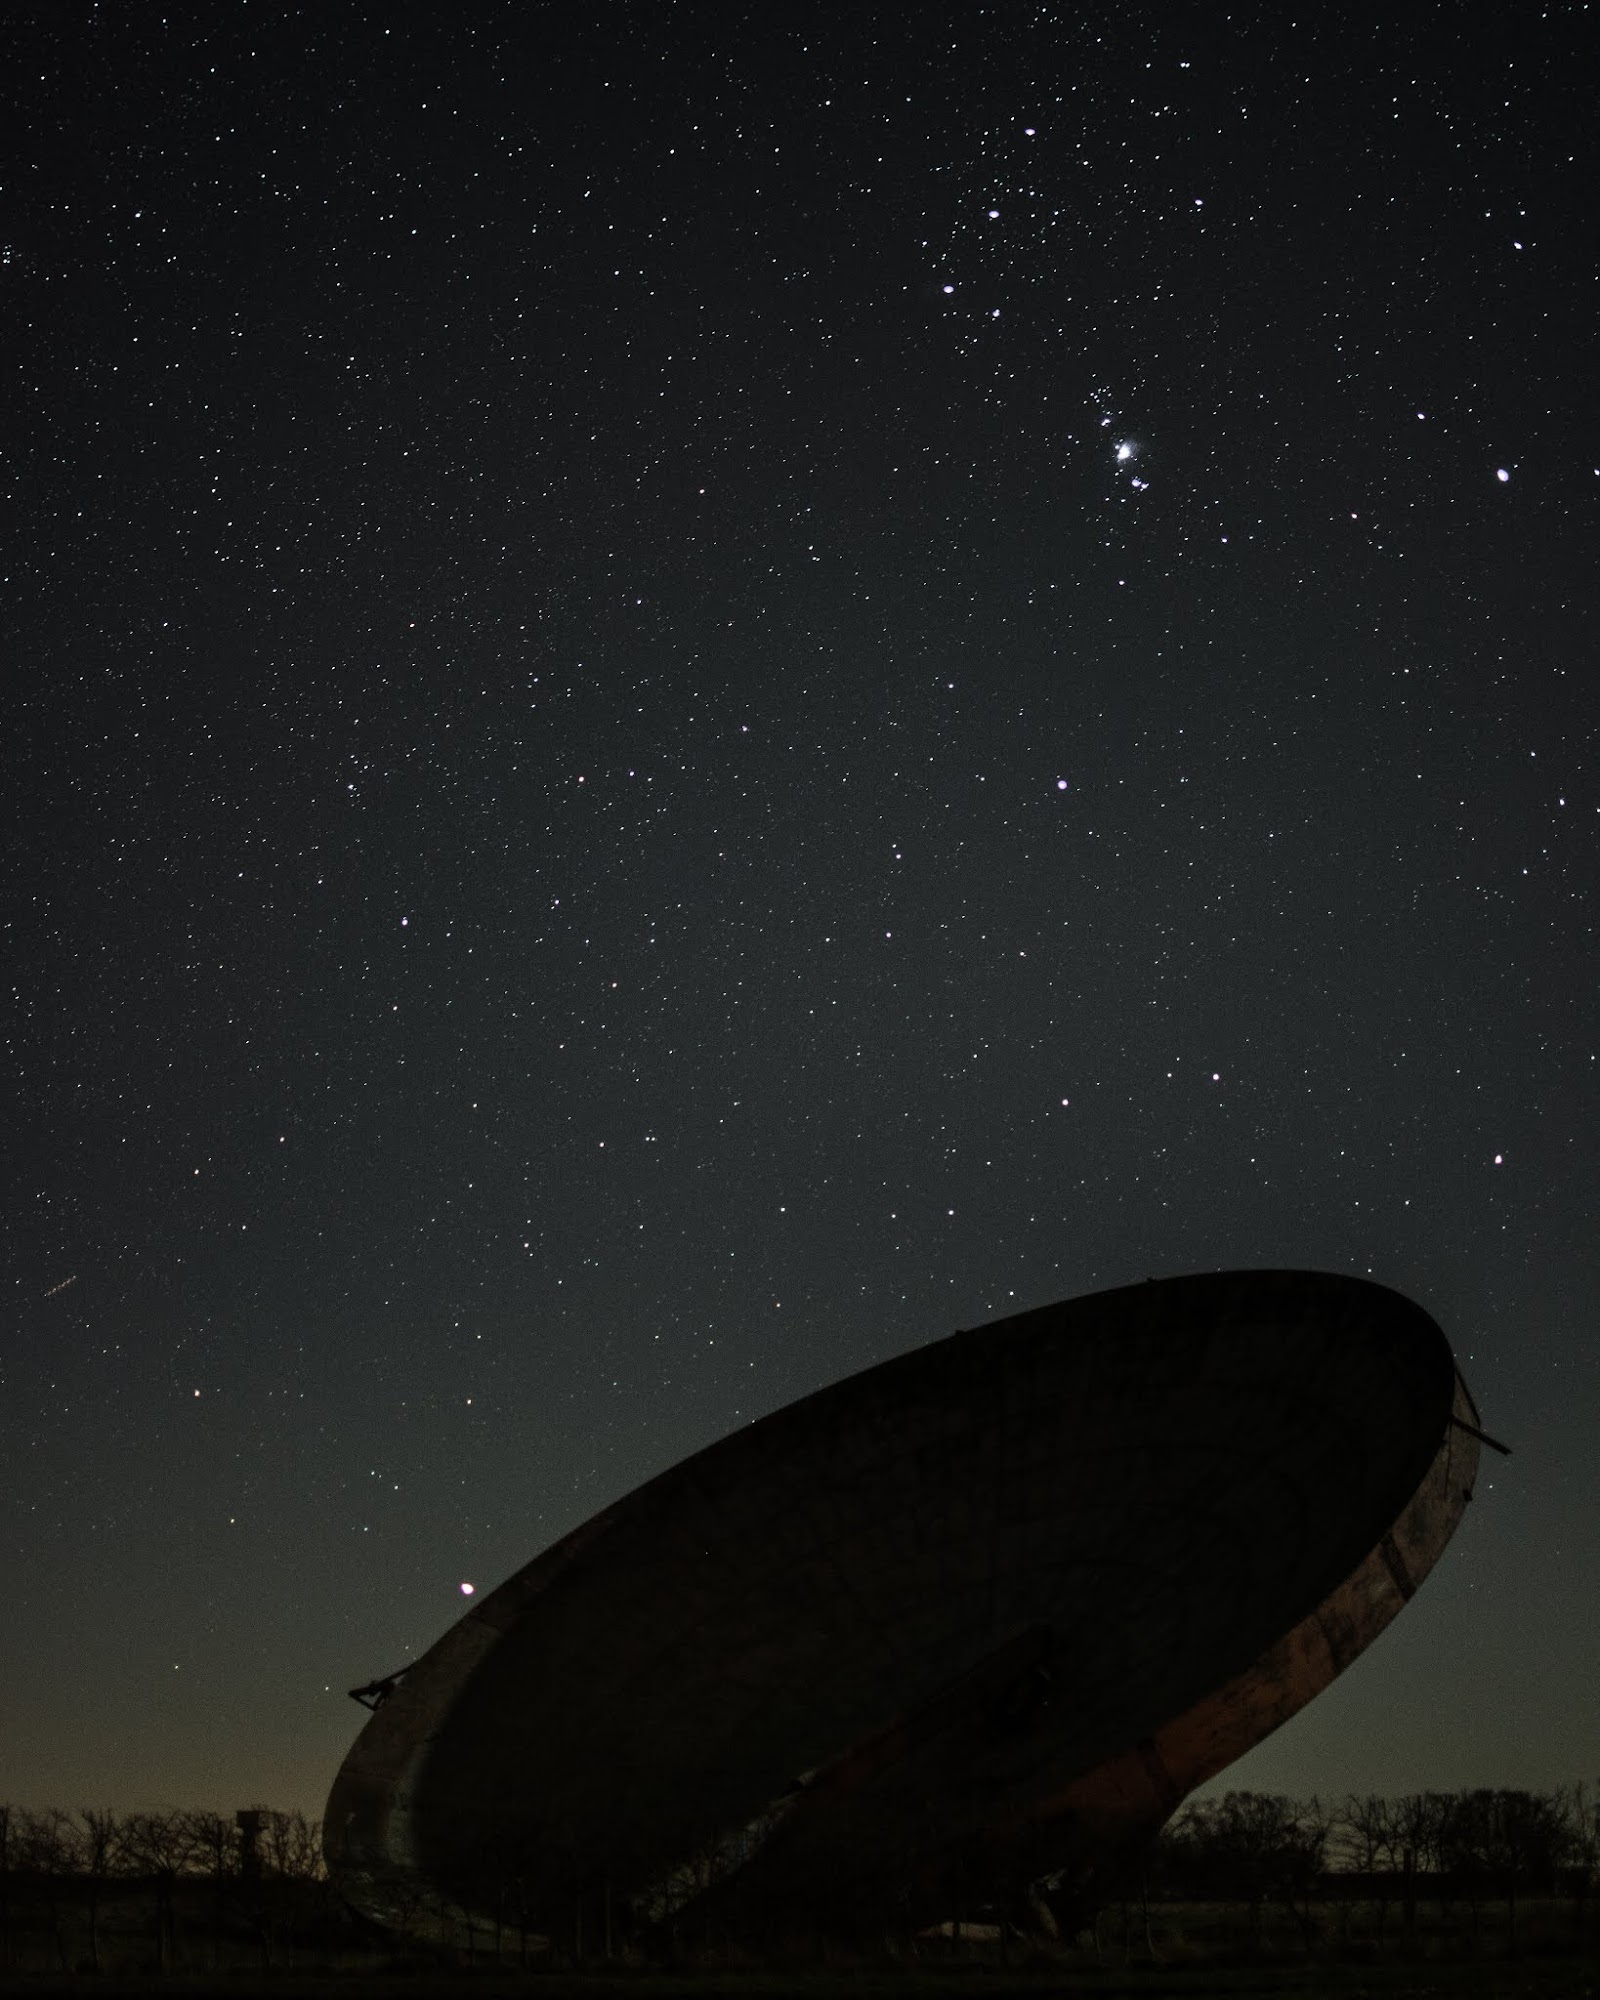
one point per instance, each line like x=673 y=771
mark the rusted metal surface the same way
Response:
x=1109 y=1812
x=979 y=1615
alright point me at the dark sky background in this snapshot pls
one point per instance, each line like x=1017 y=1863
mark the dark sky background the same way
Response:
x=689 y=697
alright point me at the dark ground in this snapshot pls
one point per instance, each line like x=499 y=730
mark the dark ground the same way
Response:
x=301 y=1943
x=1523 y=1979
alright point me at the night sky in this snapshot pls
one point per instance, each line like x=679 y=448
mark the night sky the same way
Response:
x=688 y=698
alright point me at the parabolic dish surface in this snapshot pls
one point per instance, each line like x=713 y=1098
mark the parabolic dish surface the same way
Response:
x=939 y=1597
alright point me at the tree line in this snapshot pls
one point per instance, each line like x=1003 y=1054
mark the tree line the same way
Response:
x=1466 y=1848
x=60 y=1871
x=169 y=1883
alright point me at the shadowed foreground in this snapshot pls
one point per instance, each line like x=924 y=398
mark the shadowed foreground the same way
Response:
x=1472 y=1893
x=1560 y=1978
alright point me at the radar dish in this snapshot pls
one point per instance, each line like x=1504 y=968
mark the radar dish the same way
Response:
x=971 y=1621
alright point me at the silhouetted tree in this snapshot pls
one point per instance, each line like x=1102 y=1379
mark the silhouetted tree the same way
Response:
x=1302 y=1853
x=1421 y=1821
x=159 y=1846
x=1583 y=1816
x=1250 y=1848
x=1368 y=1830
x=43 y=1853
x=99 y=1832
x=214 y=1852
x=291 y=1846
x=8 y=1816
x=1511 y=1841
